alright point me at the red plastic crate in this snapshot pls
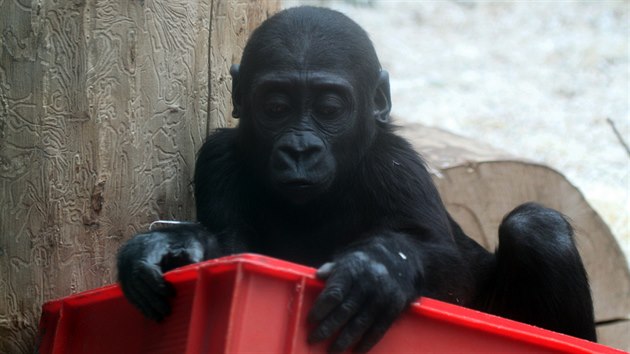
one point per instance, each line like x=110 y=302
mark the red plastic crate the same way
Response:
x=254 y=304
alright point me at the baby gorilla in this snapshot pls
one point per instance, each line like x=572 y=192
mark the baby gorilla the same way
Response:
x=314 y=174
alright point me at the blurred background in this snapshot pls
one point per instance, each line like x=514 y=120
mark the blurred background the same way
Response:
x=543 y=80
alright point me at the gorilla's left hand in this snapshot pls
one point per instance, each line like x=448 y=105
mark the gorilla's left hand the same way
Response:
x=366 y=290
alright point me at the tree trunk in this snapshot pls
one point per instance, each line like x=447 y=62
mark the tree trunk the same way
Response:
x=103 y=106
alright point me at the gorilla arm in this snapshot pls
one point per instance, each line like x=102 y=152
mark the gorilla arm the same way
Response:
x=411 y=253
x=143 y=261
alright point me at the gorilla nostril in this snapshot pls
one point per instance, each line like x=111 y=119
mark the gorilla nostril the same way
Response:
x=289 y=152
x=301 y=151
x=310 y=151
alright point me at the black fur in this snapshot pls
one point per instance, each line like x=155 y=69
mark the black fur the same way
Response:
x=315 y=174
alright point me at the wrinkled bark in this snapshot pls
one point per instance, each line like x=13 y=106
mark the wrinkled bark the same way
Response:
x=103 y=105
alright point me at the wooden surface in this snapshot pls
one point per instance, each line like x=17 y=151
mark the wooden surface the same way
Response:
x=479 y=185
x=103 y=106
x=232 y=22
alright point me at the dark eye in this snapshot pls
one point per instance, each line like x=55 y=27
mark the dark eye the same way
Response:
x=328 y=110
x=329 y=106
x=277 y=106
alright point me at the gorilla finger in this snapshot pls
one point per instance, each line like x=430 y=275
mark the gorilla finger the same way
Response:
x=153 y=280
x=161 y=288
x=153 y=308
x=353 y=331
x=337 y=288
x=170 y=289
x=374 y=334
x=147 y=270
x=325 y=270
x=157 y=299
x=336 y=319
x=149 y=312
x=158 y=284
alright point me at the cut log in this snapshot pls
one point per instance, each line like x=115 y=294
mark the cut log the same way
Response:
x=480 y=184
x=615 y=334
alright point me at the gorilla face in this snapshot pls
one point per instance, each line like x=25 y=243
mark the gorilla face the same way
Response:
x=305 y=116
x=308 y=102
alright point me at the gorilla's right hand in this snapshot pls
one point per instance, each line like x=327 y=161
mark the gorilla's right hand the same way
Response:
x=144 y=259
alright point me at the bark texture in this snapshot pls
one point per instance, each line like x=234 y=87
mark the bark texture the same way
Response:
x=103 y=105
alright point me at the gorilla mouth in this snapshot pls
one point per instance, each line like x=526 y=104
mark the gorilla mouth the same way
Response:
x=300 y=191
x=298 y=184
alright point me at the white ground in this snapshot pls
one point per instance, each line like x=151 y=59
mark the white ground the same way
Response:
x=538 y=79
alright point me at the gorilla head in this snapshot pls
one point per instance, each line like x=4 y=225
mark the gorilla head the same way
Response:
x=309 y=102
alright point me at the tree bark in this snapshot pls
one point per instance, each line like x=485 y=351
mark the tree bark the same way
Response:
x=103 y=105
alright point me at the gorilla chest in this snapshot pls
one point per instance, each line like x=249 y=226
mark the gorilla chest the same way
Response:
x=304 y=240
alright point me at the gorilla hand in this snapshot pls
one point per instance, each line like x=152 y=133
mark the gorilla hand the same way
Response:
x=143 y=261
x=366 y=290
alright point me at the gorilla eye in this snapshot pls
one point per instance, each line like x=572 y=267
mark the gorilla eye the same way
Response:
x=328 y=110
x=277 y=106
x=329 y=106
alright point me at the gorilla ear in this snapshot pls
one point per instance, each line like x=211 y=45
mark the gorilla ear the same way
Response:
x=382 y=99
x=236 y=99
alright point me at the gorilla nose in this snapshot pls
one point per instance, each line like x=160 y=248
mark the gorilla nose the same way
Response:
x=301 y=148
